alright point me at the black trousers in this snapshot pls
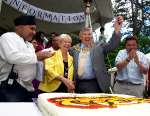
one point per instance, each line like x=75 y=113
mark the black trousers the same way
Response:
x=87 y=86
x=14 y=93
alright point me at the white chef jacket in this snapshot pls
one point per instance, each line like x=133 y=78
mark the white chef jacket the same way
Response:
x=14 y=50
x=26 y=73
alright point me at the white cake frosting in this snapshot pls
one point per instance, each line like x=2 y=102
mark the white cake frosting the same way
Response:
x=51 y=109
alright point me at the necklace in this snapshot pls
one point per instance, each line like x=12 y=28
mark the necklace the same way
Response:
x=66 y=68
x=84 y=50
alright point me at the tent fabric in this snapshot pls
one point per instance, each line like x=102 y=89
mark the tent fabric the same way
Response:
x=102 y=14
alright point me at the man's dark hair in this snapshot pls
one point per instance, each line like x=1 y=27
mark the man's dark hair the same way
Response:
x=38 y=36
x=53 y=33
x=131 y=38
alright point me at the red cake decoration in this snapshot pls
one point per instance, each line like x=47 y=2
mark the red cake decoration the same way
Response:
x=96 y=102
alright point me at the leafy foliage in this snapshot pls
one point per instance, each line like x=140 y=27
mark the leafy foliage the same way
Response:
x=75 y=38
x=144 y=43
x=136 y=13
x=110 y=57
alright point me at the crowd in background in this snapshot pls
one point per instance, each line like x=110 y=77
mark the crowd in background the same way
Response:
x=32 y=63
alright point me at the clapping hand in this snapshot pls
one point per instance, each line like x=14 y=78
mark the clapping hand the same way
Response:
x=133 y=55
x=136 y=59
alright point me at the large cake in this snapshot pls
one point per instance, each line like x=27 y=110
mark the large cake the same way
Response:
x=63 y=104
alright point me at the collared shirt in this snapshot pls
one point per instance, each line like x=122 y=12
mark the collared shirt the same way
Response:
x=131 y=73
x=148 y=58
x=14 y=50
x=88 y=68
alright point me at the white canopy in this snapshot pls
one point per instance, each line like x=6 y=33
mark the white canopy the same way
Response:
x=71 y=13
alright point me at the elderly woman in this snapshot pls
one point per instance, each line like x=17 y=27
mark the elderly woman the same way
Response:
x=59 y=69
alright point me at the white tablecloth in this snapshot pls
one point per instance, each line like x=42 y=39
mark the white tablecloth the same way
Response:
x=19 y=109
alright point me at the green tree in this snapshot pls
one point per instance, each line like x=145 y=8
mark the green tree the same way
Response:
x=75 y=38
x=110 y=57
x=134 y=12
x=143 y=43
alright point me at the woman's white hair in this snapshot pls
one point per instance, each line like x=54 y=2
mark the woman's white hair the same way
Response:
x=63 y=36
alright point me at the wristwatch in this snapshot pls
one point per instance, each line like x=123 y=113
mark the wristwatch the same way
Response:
x=127 y=59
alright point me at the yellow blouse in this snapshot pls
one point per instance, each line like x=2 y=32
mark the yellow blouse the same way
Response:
x=54 y=67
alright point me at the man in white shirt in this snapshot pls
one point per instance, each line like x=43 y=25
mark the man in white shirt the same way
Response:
x=148 y=75
x=148 y=58
x=15 y=49
x=131 y=65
